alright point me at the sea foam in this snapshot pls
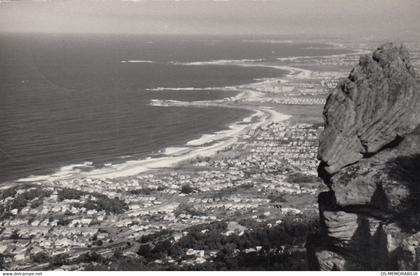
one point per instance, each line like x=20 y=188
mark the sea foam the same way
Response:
x=137 y=61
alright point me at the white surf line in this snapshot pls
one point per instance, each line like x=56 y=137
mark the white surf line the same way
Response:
x=228 y=138
x=292 y=71
x=137 y=61
x=160 y=88
x=63 y=172
x=247 y=92
x=217 y=62
x=221 y=140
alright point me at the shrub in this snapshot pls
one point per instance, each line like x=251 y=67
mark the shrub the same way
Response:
x=186 y=189
x=40 y=257
x=104 y=203
x=68 y=193
x=301 y=178
x=184 y=208
x=143 y=191
x=21 y=200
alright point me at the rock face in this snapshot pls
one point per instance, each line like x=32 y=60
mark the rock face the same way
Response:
x=370 y=160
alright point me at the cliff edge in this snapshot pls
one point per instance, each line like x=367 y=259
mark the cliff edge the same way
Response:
x=370 y=159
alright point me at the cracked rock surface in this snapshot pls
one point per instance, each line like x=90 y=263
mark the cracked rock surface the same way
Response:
x=370 y=160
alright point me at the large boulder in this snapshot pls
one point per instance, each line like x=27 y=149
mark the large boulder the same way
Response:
x=370 y=160
x=377 y=104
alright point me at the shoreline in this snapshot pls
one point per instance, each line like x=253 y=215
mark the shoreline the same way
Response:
x=207 y=144
x=218 y=141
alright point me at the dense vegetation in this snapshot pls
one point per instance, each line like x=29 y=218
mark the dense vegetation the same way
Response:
x=33 y=195
x=299 y=177
x=95 y=201
x=281 y=247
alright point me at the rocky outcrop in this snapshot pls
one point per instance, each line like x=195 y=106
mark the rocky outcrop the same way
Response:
x=370 y=160
x=375 y=105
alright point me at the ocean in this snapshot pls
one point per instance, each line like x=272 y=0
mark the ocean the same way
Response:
x=67 y=99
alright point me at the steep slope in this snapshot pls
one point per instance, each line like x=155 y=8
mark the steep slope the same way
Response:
x=370 y=160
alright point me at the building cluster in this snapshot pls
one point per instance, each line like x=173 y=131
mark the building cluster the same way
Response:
x=71 y=216
x=309 y=88
x=339 y=61
x=296 y=143
x=299 y=100
x=279 y=147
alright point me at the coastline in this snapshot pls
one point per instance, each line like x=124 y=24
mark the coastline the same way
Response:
x=251 y=96
x=205 y=146
x=197 y=147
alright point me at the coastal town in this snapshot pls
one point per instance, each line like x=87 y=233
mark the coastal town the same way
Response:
x=272 y=174
x=262 y=186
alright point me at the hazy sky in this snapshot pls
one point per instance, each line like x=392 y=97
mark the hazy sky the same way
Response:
x=379 y=18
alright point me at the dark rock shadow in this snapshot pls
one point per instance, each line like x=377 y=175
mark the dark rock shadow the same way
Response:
x=357 y=251
x=366 y=251
x=379 y=198
x=406 y=170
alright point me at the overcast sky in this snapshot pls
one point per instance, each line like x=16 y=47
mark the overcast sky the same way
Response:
x=379 y=18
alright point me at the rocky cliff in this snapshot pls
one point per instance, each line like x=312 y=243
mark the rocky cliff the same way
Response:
x=370 y=160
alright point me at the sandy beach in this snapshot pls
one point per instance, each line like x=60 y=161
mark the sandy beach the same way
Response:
x=205 y=146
